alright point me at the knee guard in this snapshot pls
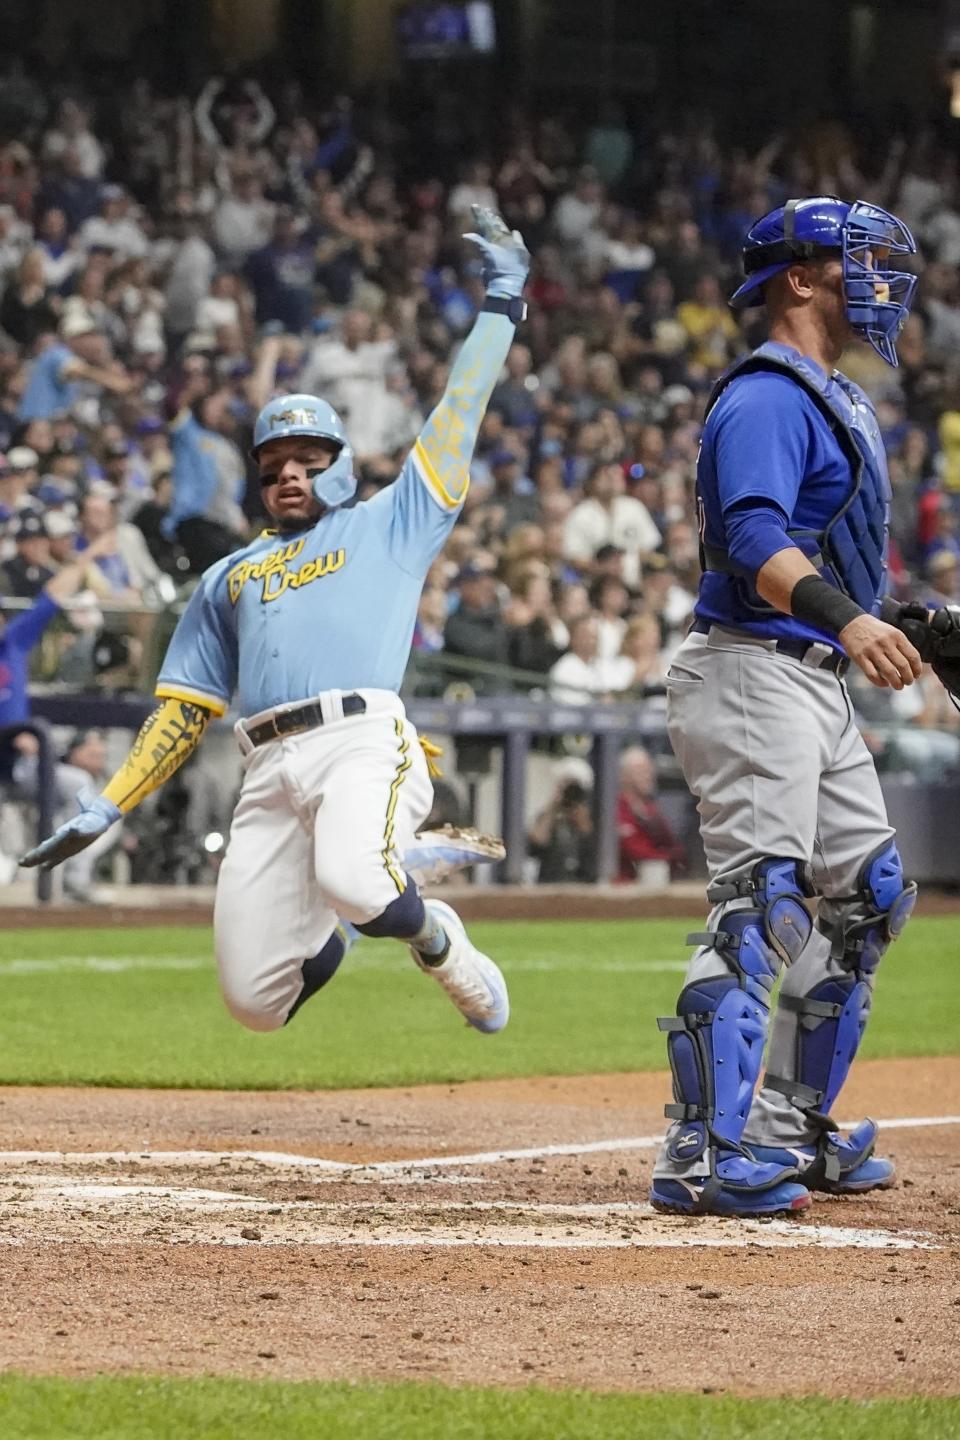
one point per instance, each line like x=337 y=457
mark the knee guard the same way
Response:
x=715 y=1043
x=831 y=1019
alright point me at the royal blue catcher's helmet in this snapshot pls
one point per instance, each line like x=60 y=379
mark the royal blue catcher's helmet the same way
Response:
x=878 y=297
x=307 y=415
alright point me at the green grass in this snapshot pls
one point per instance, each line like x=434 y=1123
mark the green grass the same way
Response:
x=147 y=1409
x=584 y=995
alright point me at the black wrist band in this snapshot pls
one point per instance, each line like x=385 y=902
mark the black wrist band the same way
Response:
x=821 y=604
x=514 y=309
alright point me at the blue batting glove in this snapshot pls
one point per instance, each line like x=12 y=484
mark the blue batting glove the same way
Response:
x=504 y=259
x=97 y=814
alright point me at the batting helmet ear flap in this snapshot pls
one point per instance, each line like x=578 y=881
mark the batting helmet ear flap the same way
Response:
x=335 y=485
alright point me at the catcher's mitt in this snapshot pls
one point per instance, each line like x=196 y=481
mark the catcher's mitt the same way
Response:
x=936 y=637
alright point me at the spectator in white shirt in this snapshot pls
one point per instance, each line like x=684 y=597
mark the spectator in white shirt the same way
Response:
x=608 y=516
x=350 y=371
x=115 y=228
x=243 y=220
x=581 y=674
x=577 y=213
x=73 y=131
x=474 y=188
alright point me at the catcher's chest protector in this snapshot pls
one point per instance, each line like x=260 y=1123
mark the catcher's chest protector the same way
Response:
x=851 y=550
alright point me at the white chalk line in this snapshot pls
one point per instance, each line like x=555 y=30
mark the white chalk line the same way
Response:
x=119 y=964
x=549 y=1226
x=283 y=1160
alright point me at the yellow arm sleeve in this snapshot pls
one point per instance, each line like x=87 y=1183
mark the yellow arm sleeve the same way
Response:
x=167 y=738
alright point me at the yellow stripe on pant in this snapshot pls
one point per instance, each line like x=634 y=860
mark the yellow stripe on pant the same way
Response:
x=403 y=765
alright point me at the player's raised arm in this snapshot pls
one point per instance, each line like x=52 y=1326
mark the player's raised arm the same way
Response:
x=445 y=444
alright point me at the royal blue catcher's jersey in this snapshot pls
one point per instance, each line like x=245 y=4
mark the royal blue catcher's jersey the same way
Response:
x=765 y=443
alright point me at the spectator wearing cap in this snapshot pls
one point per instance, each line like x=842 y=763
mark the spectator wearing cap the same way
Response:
x=476 y=629
x=608 y=516
x=79 y=355
x=149 y=520
x=61 y=536
x=115 y=229
x=282 y=275
x=209 y=476
x=514 y=493
x=18 y=637
x=25 y=575
x=18 y=477
x=26 y=311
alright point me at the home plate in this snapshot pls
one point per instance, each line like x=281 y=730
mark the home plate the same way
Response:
x=57 y=1208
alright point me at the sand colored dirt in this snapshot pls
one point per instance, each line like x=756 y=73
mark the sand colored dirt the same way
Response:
x=179 y=1232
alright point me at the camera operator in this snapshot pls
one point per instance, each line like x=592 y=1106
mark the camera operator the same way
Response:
x=561 y=837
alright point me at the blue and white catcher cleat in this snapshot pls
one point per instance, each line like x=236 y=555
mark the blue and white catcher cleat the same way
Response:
x=838 y=1166
x=738 y=1186
x=470 y=978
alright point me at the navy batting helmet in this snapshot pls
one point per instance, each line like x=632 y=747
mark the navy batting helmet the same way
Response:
x=864 y=236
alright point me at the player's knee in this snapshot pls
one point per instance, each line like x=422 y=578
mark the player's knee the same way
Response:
x=862 y=927
x=403 y=918
x=359 y=889
x=258 y=1002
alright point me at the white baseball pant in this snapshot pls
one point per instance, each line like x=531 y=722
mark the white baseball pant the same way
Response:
x=320 y=824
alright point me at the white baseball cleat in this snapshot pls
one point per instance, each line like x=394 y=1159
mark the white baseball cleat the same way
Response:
x=471 y=979
x=435 y=854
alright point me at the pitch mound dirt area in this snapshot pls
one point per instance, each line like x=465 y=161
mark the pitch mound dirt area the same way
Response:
x=492 y=1232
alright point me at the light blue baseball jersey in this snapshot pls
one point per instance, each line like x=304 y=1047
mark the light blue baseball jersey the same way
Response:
x=333 y=607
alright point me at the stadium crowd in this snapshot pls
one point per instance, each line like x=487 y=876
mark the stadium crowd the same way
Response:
x=166 y=265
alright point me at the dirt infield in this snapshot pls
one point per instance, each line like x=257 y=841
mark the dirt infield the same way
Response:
x=491 y=1232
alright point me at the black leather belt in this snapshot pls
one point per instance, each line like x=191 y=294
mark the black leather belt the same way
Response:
x=833 y=661
x=304 y=717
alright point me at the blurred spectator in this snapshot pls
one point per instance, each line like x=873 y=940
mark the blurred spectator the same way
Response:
x=114 y=231
x=582 y=674
x=25 y=575
x=18 y=637
x=281 y=274
x=18 y=478
x=81 y=354
x=26 y=311
x=608 y=516
x=537 y=636
x=561 y=838
x=209 y=477
x=649 y=850
x=129 y=573
x=349 y=371
x=82 y=769
x=476 y=630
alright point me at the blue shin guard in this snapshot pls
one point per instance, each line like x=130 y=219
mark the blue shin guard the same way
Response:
x=830 y=1022
x=715 y=1046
